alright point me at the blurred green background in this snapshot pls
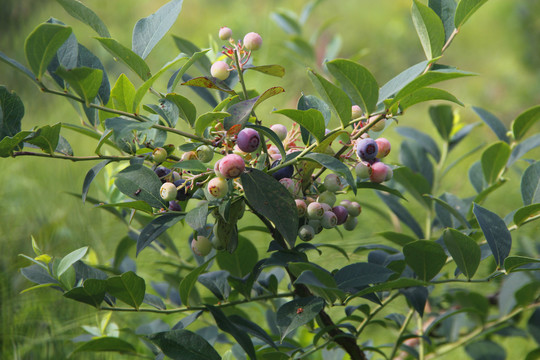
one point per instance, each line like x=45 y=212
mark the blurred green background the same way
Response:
x=501 y=43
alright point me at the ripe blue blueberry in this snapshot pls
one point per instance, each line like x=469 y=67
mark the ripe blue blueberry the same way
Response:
x=248 y=140
x=367 y=149
x=162 y=172
x=285 y=172
x=341 y=213
x=174 y=206
x=183 y=193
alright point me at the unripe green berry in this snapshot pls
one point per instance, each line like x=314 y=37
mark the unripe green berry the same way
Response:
x=301 y=207
x=225 y=33
x=205 y=153
x=168 y=191
x=363 y=170
x=306 y=233
x=356 y=112
x=332 y=183
x=389 y=173
x=327 y=197
x=252 y=41
x=329 y=220
x=316 y=225
x=315 y=211
x=354 y=209
x=216 y=169
x=190 y=155
x=280 y=130
x=218 y=187
x=220 y=70
x=350 y=223
x=159 y=154
x=379 y=126
x=201 y=246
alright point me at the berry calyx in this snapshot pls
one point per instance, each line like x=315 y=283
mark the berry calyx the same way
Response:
x=225 y=33
x=252 y=41
x=168 y=191
x=159 y=155
x=218 y=187
x=248 y=140
x=231 y=166
x=367 y=149
x=220 y=70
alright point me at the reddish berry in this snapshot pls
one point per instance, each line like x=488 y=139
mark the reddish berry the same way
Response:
x=379 y=173
x=231 y=166
x=301 y=207
x=384 y=147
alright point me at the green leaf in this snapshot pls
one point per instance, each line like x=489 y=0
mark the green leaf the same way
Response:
x=148 y=83
x=391 y=285
x=253 y=329
x=422 y=139
x=273 y=70
x=272 y=200
x=443 y=119
x=173 y=81
x=319 y=281
x=11 y=114
x=397 y=238
x=187 y=283
x=188 y=112
x=530 y=184
x=485 y=349
x=70 y=259
x=271 y=135
x=511 y=263
x=191 y=165
x=403 y=214
x=526 y=214
x=379 y=187
x=452 y=210
x=493 y=122
x=289 y=317
x=106 y=344
x=465 y=9
x=287 y=21
x=226 y=325
x=415 y=184
x=206 y=119
x=84 y=81
x=135 y=205
x=429 y=78
x=464 y=250
x=445 y=9
x=92 y=292
x=359 y=275
x=184 y=345
x=525 y=121
x=494 y=160
x=241 y=261
x=42 y=44
x=335 y=165
x=46 y=138
x=427 y=94
x=357 y=82
x=497 y=235
x=336 y=98
x=123 y=94
x=80 y=12
x=128 y=57
x=430 y=29
x=401 y=80
x=522 y=148
x=196 y=218
x=149 y=30
x=17 y=65
x=124 y=131
x=210 y=83
x=425 y=257
x=127 y=287
x=202 y=62
x=241 y=111
x=312 y=120
x=137 y=177
x=155 y=228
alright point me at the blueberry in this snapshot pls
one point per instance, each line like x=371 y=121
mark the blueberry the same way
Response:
x=367 y=149
x=183 y=193
x=174 y=206
x=286 y=172
x=248 y=140
x=162 y=172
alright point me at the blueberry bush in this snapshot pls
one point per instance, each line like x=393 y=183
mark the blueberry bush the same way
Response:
x=445 y=272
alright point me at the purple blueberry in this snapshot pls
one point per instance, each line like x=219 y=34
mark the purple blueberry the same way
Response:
x=341 y=213
x=248 y=140
x=286 y=172
x=183 y=193
x=174 y=206
x=367 y=149
x=162 y=172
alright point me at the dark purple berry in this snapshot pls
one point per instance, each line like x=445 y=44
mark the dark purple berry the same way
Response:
x=367 y=149
x=341 y=213
x=248 y=140
x=286 y=172
x=183 y=193
x=174 y=206
x=162 y=172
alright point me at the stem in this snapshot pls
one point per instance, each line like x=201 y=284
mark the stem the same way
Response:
x=73 y=158
x=130 y=115
x=366 y=321
x=197 y=308
x=400 y=334
x=420 y=325
x=486 y=328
